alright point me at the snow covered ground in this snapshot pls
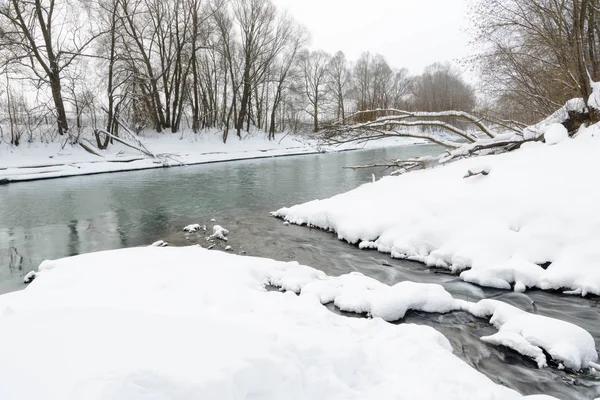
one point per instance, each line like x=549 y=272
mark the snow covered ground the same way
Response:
x=49 y=160
x=182 y=323
x=532 y=221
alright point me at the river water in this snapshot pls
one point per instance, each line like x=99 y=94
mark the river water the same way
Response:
x=61 y=217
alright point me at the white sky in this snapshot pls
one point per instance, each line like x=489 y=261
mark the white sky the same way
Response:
x=409 y=33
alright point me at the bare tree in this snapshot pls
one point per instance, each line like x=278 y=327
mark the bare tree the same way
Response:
x=314 y=67
x=295 y=38
x=537 y=54
x=338 y=82
x=45 y=37
x=441 y=88
x=255 y=19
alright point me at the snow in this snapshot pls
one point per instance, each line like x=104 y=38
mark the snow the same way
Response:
x=480 y=170
x=521 y=331
x=30 y=161
x=594 y=99
x=528 y=334
x=160 y=243
x=537 y=206
x=558 y=117
x=181 y=323
x=555 y=133
x=29 y=277
x=192 y=228
x=219 y=233
x=357 y=293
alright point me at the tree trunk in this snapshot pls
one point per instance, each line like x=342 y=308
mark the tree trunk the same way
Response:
x=316 y=116
x=61 y=115
x=247 y=87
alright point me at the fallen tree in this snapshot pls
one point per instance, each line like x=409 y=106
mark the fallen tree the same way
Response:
x=134 y=143
x=476 y=138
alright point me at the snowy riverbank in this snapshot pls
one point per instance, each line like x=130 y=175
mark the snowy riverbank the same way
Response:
x=50 y=160
x=531 y=222
x=184 y=323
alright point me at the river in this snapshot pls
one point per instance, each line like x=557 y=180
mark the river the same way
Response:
x=61 y=217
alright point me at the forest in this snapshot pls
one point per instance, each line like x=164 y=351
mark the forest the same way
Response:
x=72 y=67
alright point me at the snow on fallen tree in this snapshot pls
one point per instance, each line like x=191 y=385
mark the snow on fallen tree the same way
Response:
x=202 y=325
x=133 y=143
x=531 y=222
x=476 y=139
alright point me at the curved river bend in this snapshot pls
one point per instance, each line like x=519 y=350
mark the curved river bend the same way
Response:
x=60 y=217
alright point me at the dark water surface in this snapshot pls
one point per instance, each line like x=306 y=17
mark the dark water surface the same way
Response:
x=60 y=217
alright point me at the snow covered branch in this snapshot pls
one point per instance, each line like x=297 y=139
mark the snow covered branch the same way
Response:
x=459 y=143
x=395 y=122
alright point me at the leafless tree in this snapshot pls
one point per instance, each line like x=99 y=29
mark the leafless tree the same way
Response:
x=255 y=19
x=45 y=37
x=537 y=54
x=441 y=88
x=295 y=38
x=314 y=68
x=338 y=82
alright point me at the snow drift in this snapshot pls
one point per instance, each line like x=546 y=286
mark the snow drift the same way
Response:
x=181 y=323
x=537 y=206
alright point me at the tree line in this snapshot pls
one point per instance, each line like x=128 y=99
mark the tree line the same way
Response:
x=171 y=65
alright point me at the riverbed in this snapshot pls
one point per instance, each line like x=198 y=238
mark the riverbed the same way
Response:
x=61 y=217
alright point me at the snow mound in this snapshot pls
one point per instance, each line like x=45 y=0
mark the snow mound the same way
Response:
x=555 y=133
x=192 y=228
x=219 y=233
x=529 y=333
x=526 y=333
x=522 y=273
x=159 y=243
x=537 y=207
x=201 y=325
x=575 y=268
x=29 y=277
x=357 y=293
x=558 y=117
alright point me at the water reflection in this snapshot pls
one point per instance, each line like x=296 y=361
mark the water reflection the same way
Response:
x=56 y=218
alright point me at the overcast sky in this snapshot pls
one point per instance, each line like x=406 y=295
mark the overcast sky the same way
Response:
x=409 y=33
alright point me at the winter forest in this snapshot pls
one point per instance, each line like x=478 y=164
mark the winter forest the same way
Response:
x=176 y=65
x=73 y=66
x=299 y=199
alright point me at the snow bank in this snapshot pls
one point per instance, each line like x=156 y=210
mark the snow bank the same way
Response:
x=31 y=161
x=528 y=334
x=537 y=206
x=182 y=323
